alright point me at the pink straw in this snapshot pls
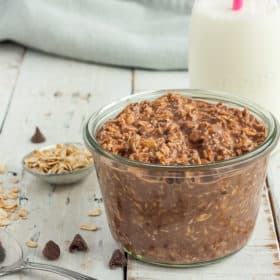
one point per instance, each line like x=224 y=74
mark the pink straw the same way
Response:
x=237 y=5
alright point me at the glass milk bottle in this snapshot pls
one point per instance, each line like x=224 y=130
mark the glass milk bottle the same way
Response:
x=235 y=48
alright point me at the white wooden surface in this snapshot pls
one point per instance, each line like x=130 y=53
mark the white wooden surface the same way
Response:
x=11 y=57
x=57 y=212
x=58 y=95
x=274 y=185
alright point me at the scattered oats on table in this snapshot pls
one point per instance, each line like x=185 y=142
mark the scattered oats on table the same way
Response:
x=3 y=168
x=9 y=208
x=3 y=214
x=14 y=180
x=62 y=158
x=14 y=189
x=12 y=195
x=4 y=222
x=95 y=212
x=31 y=244
x=23 y=213
x=89 y=227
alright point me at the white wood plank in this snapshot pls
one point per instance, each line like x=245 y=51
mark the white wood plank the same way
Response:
x=148 y=80
x=57 y=212
x=274 y=184
x=259 y=260
x=11 y=57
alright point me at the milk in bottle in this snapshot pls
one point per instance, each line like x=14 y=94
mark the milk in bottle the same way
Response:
x=237 y=51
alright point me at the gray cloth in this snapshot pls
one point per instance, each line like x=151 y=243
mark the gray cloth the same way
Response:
x=144 y=33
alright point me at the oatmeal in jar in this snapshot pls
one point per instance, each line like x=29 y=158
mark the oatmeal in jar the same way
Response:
x=177 y=179
x=176 y=130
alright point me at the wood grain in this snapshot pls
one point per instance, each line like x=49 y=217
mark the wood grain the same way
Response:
x=11 y=57
x=274 y=185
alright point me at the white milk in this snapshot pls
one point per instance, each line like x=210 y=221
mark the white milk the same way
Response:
x=237 y=51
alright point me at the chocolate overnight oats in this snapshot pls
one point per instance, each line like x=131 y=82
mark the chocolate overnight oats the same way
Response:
x=176 y=130
x=182 y=177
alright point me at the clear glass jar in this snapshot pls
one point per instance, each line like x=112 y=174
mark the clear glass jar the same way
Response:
x=181 y=215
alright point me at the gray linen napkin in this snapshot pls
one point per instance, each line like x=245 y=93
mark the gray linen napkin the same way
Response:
x=144 y=33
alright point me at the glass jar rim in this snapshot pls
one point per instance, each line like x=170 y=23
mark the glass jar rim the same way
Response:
x=206 y=95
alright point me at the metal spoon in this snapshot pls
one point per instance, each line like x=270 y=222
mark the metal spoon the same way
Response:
x=14 y=260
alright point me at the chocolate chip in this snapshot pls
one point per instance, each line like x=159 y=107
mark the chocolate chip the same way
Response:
x=118 y=259
x=78 y=244
x=2 y=253
x=38 y=137
x=51 y=251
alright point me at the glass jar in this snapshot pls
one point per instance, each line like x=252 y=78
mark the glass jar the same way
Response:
x=181 y=215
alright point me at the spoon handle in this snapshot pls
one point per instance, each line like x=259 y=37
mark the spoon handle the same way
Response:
x=56 y=269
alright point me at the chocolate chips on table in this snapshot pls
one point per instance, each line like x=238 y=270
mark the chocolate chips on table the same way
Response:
x=78 y=244
x=38 y=136
x=51 y=250
x=118 y=259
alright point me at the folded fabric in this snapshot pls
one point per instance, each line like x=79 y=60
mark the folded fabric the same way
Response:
x=145 y=33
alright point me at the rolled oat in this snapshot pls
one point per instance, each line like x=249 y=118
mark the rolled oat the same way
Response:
x=23 y=213
x=95 y=212
x=89 y=227
x=4 y=222
x=31 y=244
x=3 y=168
x=12 y=195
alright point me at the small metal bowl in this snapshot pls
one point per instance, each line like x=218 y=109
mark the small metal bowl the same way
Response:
x=70 y=177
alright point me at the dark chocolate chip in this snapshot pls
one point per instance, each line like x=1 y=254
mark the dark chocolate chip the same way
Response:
x=51 y=251
x=2 y=253
x=78 y=244
x=118 y=259
x=37 y=137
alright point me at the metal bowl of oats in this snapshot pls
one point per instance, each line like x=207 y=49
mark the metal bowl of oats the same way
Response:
x=60 y=164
